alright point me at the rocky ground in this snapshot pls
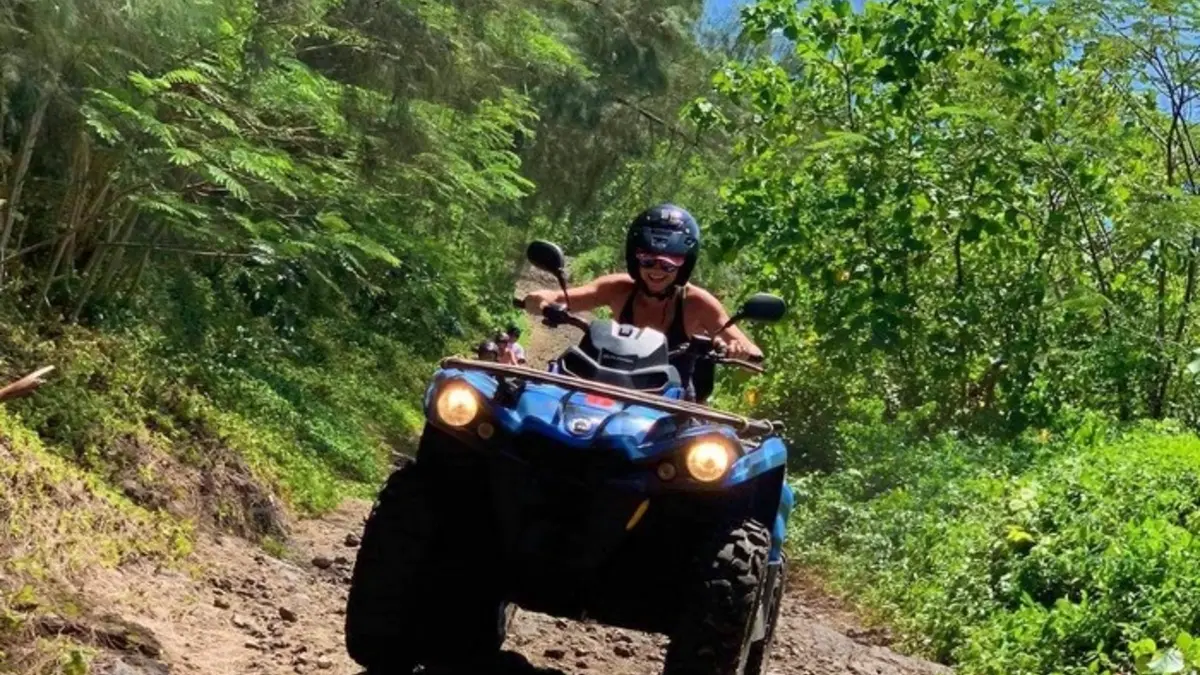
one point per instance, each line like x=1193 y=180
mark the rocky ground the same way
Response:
x=244 y=611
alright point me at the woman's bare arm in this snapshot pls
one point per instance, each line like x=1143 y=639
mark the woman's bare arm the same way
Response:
x=602 y=292
x=709 y=315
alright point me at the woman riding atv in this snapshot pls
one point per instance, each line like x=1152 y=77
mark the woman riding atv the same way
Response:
x=661 y=248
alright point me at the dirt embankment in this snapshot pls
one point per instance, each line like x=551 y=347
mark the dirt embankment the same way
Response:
x=240 y=610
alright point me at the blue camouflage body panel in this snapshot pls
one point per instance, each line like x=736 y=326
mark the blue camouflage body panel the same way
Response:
x=580 y=422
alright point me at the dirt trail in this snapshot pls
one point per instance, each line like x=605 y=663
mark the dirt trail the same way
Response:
x=241 y=610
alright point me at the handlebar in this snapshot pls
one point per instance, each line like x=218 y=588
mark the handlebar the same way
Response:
x=701 y=347
x=747 y=365
x=556 y=315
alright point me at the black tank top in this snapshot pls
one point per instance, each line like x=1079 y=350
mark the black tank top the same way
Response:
x=676 y=332
x=698 y=381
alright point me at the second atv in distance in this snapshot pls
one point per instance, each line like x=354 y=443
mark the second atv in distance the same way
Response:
x=592 y=491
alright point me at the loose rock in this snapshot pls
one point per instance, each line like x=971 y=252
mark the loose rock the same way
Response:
x=287 y=615
x=352 y=540
x=555 y=653
x=220 y=602
x=322 y=563
x=622 y=650
x=134 y=665
x=109 y=631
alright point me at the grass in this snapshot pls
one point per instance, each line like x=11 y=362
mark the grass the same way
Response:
x=59 y=521
x=142 y=411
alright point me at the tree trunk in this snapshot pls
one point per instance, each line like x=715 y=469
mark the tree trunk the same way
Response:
x=1189 y=294
x=3 y=131
x=54 y=265
x=76 y=198
x=17 y=182
x=145 y=259
x=1160 y=335
x=114 y=265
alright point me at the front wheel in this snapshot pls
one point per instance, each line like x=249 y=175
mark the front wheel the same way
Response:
x=760 y=650
x=715 y=633
x=413 y=599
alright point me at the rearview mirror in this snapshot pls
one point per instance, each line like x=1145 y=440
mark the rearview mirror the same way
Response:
x=762 y=307
x=546 y=257
x=549 y=258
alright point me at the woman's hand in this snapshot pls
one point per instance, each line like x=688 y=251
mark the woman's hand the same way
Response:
x=738 y=348
x=535 y=302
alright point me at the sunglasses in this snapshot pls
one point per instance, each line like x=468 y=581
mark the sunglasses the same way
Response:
x=649 y=262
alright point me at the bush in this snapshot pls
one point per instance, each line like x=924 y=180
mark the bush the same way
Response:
x=1037 y=556
x=597 y=262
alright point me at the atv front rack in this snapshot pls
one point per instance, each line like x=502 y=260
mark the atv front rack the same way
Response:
x=685 y=408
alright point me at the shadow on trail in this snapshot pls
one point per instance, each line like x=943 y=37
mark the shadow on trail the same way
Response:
x=509 y=663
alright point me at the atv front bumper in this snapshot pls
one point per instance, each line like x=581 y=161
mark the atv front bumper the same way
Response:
x=562 y=533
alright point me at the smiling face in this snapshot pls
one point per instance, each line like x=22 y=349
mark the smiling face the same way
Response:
x=658 y=271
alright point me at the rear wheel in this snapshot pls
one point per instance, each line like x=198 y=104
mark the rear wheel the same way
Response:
x=714 y=635
x=413 y=599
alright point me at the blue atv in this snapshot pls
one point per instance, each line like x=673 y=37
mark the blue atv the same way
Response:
x=596 y=490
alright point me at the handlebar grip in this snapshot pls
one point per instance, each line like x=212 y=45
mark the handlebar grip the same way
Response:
x=555 y=315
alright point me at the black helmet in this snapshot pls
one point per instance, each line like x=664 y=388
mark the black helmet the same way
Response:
x=501 y=337
x=513 y=330
x=665 y=229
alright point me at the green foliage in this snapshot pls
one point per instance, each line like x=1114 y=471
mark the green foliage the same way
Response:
x=272 y=220
x=969 y=206
x=598 y=262
x=1035 y=558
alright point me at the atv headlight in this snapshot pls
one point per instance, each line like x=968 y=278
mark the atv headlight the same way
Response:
x=457 y=405
x=708 y=460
